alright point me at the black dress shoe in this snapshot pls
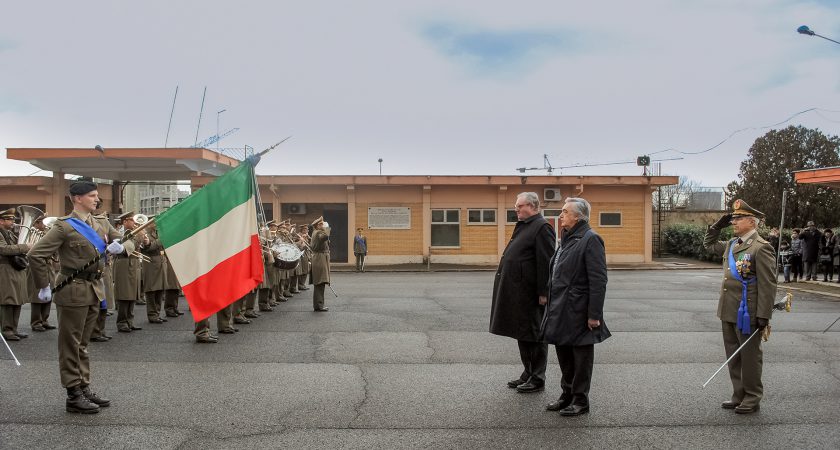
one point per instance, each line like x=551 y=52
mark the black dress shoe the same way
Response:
x=179 y=313
x=171 y=314
x=99 y=339
x=741 y=409
x=241 y=321
x=158 y=320
x=133 y=328
x=574 y=410
x=529 y=387
x=49 y=327
x=11 y=337
x=95 y=399
x=559 y=404
x=227 y=331
x=206 y=340
x=21 y=335
x=324 y=309
x=513 y=383
x=729 y=404
x=124 y=330
x=39 y=328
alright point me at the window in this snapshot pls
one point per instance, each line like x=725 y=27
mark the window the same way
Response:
x=610 y=219
x=551 y=213
x=481 y=216
x=511 y=216
x=446 y=228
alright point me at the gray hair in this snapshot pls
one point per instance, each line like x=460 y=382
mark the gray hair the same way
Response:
x=532 y=198
x=755 y=220
x=581 y=207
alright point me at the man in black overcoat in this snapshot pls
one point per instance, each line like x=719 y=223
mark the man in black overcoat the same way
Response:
x=810 y=237
x=520 y=290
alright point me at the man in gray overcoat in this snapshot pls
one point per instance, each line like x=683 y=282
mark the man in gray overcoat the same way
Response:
x=521 y=288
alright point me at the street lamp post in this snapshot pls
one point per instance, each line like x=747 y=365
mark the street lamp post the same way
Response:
x=809 y=32
x=380 y=167
x=218 y=113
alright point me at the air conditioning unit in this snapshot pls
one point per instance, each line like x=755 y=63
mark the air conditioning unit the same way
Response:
x=297 y=208
x=552 y=195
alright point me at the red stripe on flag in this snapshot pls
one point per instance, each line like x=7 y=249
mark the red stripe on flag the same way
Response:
x=226 y=283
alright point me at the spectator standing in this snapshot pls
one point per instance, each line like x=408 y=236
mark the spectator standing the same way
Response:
x=796 y=255
x=827 y=244
x=810 y=250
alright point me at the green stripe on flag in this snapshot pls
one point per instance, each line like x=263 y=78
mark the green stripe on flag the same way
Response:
x=206 y=206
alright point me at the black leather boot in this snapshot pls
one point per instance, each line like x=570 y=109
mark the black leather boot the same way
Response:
x=78 y=403
x=99 y=401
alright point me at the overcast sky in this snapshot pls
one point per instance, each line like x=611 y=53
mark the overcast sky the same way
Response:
x=431 y=87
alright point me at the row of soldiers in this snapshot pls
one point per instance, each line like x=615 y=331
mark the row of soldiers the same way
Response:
x=145 y=276
x=65 y=265
x=278 y=285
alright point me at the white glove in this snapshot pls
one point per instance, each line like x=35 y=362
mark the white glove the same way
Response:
x=115 y=248
x=45 y=294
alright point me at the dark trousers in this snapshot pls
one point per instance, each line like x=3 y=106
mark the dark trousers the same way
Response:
x=534 y=357
x=39 y=313
x=576 y=366
x=811 y=270
x=125 y=314
x=796 y=266
x=170 y=302
x=99 y=326
x=318 y=296
x=360 y=262
x=154 y=301
x=828 y=270
x=745 y=368
x=10 y=316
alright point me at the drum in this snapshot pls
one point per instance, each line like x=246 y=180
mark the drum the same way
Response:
x=286 y=256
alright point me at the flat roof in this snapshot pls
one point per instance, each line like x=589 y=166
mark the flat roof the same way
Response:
x=467 y=180
x=825 y=176
x=127 y=164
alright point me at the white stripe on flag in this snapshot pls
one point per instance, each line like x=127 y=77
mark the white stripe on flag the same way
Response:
x=201 y=252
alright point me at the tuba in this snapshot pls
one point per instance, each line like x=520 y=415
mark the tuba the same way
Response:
x=29 y=234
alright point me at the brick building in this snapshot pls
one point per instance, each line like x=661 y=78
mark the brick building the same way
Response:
x=407 y=219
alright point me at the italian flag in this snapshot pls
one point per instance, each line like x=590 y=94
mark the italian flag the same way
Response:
x=212 y=243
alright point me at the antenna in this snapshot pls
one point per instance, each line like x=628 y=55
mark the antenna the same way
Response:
x=546 y=166
x=200 y=112
x=166 y=142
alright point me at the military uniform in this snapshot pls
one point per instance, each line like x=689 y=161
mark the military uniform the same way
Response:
x=154 y=277
x=14 y=292
x=39 y=312
x=99 y=334
x=320 y=265
x=127 y=273
x=746 y=302
x=172 y=291
x=303 y=267
x=78 y=303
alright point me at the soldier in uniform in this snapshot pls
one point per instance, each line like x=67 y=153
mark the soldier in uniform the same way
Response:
x=12 y=278
x=303 y=245
x=172 y=291
x=154 y=276
x=99 y=334
x=276 y=281
x=746 y=300
x=360 y=249
x=78 y=239
x=320 y=263
x=127 y=273
x=40 y=311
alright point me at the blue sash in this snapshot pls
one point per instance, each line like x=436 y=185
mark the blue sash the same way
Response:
x=361 y=244
x=743 y=322
x=89 y=233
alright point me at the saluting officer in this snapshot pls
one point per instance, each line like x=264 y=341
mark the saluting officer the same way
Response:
x=320 y=263
x=746 y=300
x=78 y=238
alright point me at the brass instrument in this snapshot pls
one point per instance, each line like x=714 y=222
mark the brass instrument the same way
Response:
x=28 y=233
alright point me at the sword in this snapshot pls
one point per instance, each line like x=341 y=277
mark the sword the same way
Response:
x=832 y=324
x=13 y=353
x=363 y=263
x=733 y=355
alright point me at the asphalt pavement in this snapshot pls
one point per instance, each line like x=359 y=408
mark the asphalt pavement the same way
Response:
x=404 y=360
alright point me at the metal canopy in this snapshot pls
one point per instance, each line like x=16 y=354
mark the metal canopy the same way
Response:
x=826 y=176
x=127 y=164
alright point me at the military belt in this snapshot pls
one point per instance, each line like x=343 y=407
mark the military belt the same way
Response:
x=86 y=275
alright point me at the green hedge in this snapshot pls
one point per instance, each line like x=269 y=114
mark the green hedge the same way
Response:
x=687 y=240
